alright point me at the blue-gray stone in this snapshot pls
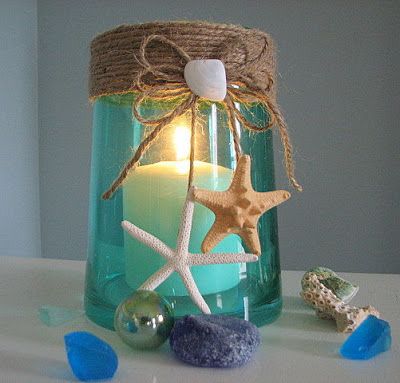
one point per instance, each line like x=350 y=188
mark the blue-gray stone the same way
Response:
x=90 y=357
x=214 y=340
x=369 y=339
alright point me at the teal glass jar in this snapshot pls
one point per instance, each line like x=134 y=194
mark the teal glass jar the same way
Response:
x=152 y=198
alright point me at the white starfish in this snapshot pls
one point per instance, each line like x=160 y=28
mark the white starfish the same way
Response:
x=180 y=259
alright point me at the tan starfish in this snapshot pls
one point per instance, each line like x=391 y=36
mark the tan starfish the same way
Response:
x=238 y=209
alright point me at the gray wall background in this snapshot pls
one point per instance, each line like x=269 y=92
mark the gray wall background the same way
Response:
x=19 y=159
x=339 y=89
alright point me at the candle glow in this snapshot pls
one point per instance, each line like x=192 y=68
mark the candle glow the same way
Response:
x=182 y=148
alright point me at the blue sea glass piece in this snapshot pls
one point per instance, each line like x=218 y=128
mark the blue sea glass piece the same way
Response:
x=90 y=357
x=55 y=315
x=214 y=340
x=369 y=339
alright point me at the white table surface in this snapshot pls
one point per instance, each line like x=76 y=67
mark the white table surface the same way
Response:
x=298 y=347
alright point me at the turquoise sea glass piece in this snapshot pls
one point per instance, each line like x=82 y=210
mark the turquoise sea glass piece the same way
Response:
x=370 y=338
x=55 y=315
x=90 y=357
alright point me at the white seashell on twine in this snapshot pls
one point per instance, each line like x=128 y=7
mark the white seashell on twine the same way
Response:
x=206 y=78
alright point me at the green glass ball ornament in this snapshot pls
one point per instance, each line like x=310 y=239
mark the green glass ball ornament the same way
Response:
x=144 y=320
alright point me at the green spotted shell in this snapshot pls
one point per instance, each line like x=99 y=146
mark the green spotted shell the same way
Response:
x=343 y=289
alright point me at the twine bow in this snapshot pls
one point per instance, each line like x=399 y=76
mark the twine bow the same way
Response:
x=166 y=82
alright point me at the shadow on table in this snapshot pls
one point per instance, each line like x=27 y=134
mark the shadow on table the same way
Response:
x=34 y=366
x=307 y=328
x=297 y=315
x=314 y=347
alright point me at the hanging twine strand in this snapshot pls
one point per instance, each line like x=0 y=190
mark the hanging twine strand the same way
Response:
x=164 y=80
x=192 y=143
x=230 y=107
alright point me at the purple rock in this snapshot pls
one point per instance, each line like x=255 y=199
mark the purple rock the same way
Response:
x=370 y=338
x=214 y=340
x=90 y=357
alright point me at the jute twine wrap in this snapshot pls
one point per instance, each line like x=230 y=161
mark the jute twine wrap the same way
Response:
x=150 y=59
